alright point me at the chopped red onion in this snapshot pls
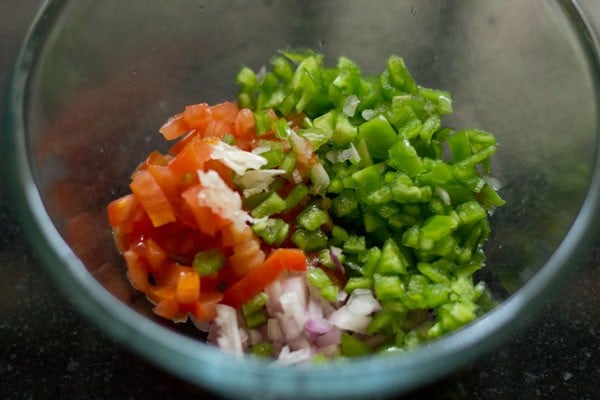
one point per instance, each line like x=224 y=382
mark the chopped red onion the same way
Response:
x=228 y=336
x=291 y=328
x=335 y=253
x=274 y=332
x=294 y=357
x=317 y=326
x=362 y=302
x=329 y=351
x=299 y=343
x=254 y=336
x=331 y=338
x=345 y=319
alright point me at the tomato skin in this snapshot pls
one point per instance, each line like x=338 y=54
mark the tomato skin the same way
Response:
x=137 y=270
x=153 y=253
x=167 y=308
x=244 y=129
x=203 y=216
x=152 y=198
x=166 y=180
x=191 y=158
x=197 y=116
x=121 y=210
x=217 y=129
x=187 y=290
x=174 y=127
x=225 y=112
x=205 y=309
x=155 y=158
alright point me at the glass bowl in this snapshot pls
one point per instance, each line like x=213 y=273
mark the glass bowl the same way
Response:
x=95 y=81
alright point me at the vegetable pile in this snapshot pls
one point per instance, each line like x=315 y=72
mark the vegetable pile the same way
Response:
x=324 y=214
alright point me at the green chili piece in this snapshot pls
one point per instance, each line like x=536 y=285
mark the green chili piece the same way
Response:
x=368 y=180
x=263 y=349
x=271 y=205
x=319 y=279
x=281 y=128
x=344 y=204
x=392 y=261
x=312 y=218
x=353 y=347
x=262 y=121
x=441 y=99
x=404 y=157
x=437 y=227
x=355 y=244
x=208 y=262
x=344 y=132
x=309 y=240
x=388 y=287
x=400 y=77
x=378 y=135
x=370 y=259
x=296 y=195
x=358 y=282
x=254 y=311
x=434 y=273
x=338 y=235
x=470 y=212
x=273 y=231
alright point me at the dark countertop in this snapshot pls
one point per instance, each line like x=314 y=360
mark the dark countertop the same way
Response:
x=48 y=350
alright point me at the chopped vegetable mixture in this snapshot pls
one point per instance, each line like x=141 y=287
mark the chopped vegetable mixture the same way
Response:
x=323 y=214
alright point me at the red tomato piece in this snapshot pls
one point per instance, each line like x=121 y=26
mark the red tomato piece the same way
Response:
x=243 y=125
x=217 y=129
x=121 y=210
x=174 y=127
x=204 y=217
x=197 y=116
x=152 y=198
x=188 y=288
x=191 y=158
x=264 y=274
x=154 y=254
x=205 y=309
x=137 y=271
x=225 y=112
x=168 y=309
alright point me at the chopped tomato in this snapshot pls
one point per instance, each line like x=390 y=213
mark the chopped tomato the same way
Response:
x=264 y=274
x=204 y=217
x=225 y=112
x=167 y=308
x=156 y=158
x=154 y=254
x=205 y=309
x=137 y=271
x=152 y=198
x=121 y=210
x=197 y=116
x=188 y=288
x=191 y=158
x=217 y=129
x=224 y=171
x=174 y=127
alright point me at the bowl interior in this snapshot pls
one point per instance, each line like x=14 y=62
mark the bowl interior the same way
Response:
x=97 y=79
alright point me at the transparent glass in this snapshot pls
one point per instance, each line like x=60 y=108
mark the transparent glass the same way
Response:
x=95 y=80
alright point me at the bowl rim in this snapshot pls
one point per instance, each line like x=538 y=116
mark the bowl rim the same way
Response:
x=186 y=359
